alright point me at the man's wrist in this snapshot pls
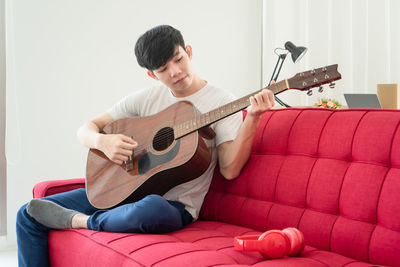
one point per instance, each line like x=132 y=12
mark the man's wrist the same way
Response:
x=255 y=118
x=98 y=141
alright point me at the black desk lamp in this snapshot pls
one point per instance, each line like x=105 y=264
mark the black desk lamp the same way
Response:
x=297 y=53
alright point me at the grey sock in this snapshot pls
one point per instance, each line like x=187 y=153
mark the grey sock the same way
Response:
x=50 y=214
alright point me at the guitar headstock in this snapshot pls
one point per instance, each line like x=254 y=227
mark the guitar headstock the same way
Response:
x=314 y=78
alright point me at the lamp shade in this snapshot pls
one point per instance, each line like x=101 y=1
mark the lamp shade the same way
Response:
x=296 y=51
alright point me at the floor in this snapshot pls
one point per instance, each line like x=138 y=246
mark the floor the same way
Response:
x=8 y=257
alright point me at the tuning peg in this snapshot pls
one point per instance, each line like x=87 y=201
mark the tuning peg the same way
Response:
x=309 y=92
x=332 y=85
x=321 y=89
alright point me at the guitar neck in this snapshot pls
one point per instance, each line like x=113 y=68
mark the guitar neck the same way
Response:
x=224 y=111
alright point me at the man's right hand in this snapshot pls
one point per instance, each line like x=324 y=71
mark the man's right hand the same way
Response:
x=117 y=147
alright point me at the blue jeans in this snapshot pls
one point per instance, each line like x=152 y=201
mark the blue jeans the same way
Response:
x=152 y=214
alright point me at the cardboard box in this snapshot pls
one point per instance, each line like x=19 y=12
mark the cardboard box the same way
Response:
x=388 y=95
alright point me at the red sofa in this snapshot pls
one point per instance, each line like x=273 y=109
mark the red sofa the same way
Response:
x=334 y=174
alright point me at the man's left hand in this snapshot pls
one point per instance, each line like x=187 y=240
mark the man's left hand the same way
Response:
x=261 y=102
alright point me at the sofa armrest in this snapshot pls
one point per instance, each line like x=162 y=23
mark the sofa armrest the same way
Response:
x=48 y=188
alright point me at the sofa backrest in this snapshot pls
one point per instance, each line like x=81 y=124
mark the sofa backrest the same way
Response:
x=334 y=174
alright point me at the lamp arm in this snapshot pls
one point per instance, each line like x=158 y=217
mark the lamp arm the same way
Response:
x=278 y=65
x=275 y=74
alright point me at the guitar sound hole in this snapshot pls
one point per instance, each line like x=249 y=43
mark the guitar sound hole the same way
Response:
x=163 y=139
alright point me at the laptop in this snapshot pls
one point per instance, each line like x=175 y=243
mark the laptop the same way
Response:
x=362 y=101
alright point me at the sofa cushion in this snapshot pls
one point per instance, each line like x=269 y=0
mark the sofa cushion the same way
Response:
x=203 y=243
x=334 y=174
x=51 y=187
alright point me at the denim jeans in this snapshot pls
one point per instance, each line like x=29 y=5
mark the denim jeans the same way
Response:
x=152 y=214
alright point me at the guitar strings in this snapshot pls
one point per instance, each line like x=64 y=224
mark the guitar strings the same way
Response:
x=163 y=137
x=158 y=140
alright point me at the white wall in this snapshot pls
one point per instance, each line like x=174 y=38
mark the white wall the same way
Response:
x=362 y=36
x=69 y=60
x=3 y=166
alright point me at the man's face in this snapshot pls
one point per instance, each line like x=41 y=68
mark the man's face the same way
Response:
x=177 y=73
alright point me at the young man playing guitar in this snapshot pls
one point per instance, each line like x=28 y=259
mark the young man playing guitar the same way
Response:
x=162 y=51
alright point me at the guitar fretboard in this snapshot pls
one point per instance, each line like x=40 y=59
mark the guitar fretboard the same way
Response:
x=226 y=110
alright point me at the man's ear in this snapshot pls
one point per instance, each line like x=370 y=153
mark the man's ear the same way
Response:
x=189 y=51
x=152 y=75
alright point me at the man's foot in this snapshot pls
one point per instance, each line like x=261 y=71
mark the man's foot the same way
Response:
x=50 y=214
x=79 y=221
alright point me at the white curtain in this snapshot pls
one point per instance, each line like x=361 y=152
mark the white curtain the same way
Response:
x=362 y=36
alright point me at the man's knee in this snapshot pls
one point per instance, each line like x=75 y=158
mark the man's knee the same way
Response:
x=154 y=206
x=22 y=215
x=160 y=216
x=154 y=200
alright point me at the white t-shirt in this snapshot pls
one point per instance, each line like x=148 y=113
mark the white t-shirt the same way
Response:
x=150 y=101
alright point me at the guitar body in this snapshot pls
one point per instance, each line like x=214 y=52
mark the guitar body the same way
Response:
x=159 y=162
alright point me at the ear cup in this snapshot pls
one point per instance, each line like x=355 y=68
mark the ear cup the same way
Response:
x=274 y=244
x=296 y=238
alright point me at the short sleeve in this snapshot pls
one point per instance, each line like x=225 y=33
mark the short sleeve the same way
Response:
x=128 y=106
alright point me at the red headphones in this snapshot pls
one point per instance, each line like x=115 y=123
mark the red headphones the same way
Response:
x=273 y=244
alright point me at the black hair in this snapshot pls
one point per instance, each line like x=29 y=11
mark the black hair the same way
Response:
x=156 y=46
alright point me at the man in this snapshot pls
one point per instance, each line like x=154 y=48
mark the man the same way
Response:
x=162 y=51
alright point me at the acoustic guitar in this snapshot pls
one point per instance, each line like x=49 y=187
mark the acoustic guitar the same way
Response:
x=171 y=149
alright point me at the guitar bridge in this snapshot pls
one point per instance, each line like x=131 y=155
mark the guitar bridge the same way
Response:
x=129 y=164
